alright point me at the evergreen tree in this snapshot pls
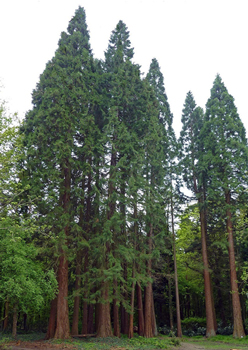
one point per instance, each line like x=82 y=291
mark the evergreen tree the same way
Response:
x=121 y=143
x=60 y=103
x=168 y=139
x=156 y=80
x=194 y=176
x=226 y=156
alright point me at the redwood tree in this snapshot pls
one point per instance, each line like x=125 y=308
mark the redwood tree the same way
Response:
x=227 y=158
x=194 y=175
x=60 y=101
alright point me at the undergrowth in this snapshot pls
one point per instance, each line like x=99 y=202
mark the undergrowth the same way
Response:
x=123 y=343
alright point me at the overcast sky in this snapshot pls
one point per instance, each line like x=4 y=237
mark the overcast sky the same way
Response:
x=193 y=40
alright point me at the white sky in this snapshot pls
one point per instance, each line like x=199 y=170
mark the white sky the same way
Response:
x=193 y=40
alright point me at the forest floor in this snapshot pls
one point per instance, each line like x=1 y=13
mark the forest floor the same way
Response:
x=211 y=345
x=125 y=344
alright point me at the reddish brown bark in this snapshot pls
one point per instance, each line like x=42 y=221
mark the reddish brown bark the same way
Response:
x=210 y=329
x=75 y=319
x=97 y=315
x=116 y=312
x=238 y=328
x=62 y=326
x=85 y=318
x=124 y=313
x=209 y=303
x=214 y=313
x=154 y=323
x=179 y=328
x=170 y=303
x=104 y=323
x=52 y=320
x=149 y=330
x=91 y=328
x=130 y=332
x=85 y=303
x=124 y=320
x=141 y=324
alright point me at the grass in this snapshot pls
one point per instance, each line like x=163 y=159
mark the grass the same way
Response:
x=114 y=343
x=219 y=342
x=123 y=343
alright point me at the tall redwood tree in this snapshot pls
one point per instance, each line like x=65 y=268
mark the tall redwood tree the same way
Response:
x=60 y=102
x=194 y=175
x=227 y=158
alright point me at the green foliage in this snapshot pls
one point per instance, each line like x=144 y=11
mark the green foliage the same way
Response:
x=194 y=322
x=191 y=145
x=226 y=145
x=23 y=281
x=92 y=175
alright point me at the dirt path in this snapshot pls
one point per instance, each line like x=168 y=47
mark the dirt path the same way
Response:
x=190 y=346
x=41 y=345
x=37 y=345
x=210 y=346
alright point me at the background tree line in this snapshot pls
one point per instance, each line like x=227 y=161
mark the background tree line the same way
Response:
x=90 y=185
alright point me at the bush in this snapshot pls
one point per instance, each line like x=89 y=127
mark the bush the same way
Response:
x=228 y=330
x=193 y=322
x=164 y=330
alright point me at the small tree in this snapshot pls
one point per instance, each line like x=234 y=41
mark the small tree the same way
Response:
x=23 y=282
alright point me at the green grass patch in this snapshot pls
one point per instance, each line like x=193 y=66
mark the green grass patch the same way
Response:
x=112 y=343
x=221 y=342
x=123 y=343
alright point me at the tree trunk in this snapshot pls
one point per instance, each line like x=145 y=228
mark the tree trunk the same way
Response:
x=52 y=320
x=214 y=313
x=130 y=333
x=141 y=324
x=15 y=317
x=154 y=323
x=170 y=303
x=25 y=327
x=91 y=329
x=179 y=328
x=148 y=331
x=6 y=315
x=85 y=303
x=210 y=329
x=74 y=328
x=124 y=314
x=104 y=323
x=116 y=312
x=62 y=325
x=238 y=328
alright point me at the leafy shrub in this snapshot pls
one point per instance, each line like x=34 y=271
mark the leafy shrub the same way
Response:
x=228 y=330
x=246 y=325
x=164 y=330
x=192 y=323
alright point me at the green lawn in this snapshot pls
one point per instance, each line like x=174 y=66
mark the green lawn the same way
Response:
x=219 y=342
